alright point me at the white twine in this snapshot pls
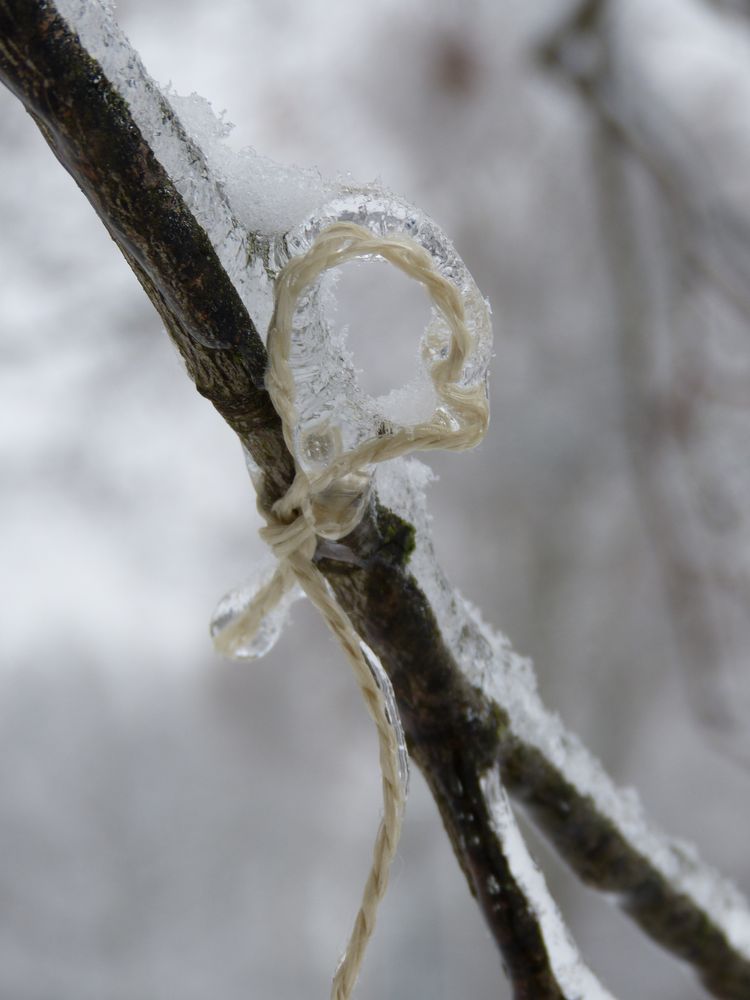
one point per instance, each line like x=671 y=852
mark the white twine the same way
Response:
x=332 y=503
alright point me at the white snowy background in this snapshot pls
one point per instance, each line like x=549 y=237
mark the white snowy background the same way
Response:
x=176 y=826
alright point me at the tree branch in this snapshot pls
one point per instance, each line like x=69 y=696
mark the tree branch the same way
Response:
x=461 y=714
x=91 y=130
x=702 y=568
x=599 y=830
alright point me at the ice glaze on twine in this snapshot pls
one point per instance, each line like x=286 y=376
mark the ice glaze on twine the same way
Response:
x=331 y=502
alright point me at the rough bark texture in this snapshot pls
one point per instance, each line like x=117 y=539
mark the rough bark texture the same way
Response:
x=454 y=732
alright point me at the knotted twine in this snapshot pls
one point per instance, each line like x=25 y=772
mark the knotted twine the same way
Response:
x=331 y=503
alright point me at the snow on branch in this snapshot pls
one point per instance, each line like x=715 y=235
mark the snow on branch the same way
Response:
x=599 y=829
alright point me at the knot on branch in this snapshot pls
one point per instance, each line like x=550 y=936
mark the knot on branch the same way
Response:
x=330 y=501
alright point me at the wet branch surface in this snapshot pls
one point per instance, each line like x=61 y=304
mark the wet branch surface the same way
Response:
x=454 y=731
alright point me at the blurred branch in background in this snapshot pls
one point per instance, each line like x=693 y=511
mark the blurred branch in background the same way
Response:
x=676 y=233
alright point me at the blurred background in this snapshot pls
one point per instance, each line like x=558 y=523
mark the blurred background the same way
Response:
x=177 y=826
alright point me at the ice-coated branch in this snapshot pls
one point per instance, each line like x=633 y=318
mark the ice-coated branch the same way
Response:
x=598 y=829
x=468 y=706
x=102 y=141
x=106 y=126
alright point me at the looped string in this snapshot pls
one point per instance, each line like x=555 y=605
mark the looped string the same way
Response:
x=332 y=503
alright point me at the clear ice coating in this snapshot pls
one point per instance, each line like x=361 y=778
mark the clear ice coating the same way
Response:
x=252 y=640
x=573 y=976
x=383 y=682
x=491 y=665
x=334 y=414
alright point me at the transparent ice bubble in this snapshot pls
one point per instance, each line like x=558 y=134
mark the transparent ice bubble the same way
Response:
x=334 y=413
x=231 y=626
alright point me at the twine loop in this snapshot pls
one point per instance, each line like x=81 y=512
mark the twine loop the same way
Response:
x=330 y=503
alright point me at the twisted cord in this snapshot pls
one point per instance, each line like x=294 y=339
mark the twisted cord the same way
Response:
x=333 y=502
